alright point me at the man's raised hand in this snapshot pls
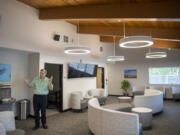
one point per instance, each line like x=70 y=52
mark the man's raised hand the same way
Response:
x=50 y=79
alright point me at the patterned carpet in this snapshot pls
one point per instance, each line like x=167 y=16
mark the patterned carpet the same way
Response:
x=72 y=123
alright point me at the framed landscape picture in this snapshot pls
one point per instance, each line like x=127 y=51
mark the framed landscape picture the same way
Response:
x=5 y=73
x=130 y=73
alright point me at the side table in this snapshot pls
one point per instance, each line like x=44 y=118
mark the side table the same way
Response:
x=145 y=116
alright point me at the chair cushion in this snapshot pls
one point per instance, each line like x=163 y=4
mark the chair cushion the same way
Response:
x=2 y=129
x=16 y=132
x=7 y=119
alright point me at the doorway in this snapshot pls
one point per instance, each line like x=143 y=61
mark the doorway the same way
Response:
x=100 y=77
x=55 y=97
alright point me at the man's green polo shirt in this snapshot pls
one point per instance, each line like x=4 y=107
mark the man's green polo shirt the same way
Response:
x=41 y=87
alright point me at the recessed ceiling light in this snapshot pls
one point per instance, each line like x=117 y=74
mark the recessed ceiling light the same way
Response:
x=136 y=42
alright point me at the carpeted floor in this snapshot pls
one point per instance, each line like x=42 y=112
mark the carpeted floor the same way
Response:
x=71 y=123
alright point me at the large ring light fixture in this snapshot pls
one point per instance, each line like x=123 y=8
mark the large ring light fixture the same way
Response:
x=136 y=42
x=154 y=55
x=77 y=50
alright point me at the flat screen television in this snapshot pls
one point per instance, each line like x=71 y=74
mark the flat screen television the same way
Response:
x=78 y=70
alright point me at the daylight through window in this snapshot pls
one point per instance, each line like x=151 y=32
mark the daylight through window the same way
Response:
x=167 y=75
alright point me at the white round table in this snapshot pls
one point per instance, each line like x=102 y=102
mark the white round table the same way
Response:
x=125 y=99
x=145 y=116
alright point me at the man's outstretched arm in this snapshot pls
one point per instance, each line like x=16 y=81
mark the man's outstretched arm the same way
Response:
x=27 y=83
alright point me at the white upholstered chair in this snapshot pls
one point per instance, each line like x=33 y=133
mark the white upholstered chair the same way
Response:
x=138 y=90
x=7 y=124
x=168 y=93
x=176 y=93
x=98 y=93
x=77 y=101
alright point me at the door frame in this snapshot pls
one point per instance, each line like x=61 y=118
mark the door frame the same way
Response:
x=103 y=77
x=60 y=109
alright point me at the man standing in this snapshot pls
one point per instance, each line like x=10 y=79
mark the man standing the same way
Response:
x=41 y=85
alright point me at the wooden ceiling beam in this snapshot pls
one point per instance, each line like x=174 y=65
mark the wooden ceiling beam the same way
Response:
x=164 y=33
x=109 y=11
x=157 y=43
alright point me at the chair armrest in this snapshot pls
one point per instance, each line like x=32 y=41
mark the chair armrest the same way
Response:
x=2 y=129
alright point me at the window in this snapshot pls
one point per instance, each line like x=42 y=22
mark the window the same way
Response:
x=167 y=75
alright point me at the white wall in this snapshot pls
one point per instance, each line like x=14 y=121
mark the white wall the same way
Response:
x=69 y=85
x=33 y=70
x=20 y=28
x=19 y=70
x=135 y=60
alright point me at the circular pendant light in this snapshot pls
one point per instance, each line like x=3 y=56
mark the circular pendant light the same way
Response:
x=77 y=50
x=154 y=55
x=136 y=42
x=115 y=58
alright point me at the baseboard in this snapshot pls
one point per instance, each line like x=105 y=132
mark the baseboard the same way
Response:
x=115 y=95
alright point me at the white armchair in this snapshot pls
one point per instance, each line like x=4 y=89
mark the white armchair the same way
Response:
x=77 y=101
x=158 y=87
x=176 y=93
x=99 y=94
x=168 y=93
x=138 y=90
x=7 y=124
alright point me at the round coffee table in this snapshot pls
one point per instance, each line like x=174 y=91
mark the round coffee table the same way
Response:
x=145 y=116
x=125 y=99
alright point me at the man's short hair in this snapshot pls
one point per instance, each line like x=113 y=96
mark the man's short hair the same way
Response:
x=43 y=70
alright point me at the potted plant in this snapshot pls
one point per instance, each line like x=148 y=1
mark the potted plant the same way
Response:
x=125 y=86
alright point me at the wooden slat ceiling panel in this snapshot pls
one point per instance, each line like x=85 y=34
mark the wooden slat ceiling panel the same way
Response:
x=159 y=28
x=65 y=3
x=129 y=23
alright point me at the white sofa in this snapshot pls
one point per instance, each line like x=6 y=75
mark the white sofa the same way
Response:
x=7 y=124
x=103 y=121
x=77 y=100
x=97 y=93
x=151 y=99
x=138 y=90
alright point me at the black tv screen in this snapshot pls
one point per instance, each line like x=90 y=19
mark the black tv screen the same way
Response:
x=78 y=70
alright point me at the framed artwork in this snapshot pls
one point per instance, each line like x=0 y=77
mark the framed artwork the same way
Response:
x=130 y=73
x=65 y=39
x=5 y=73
